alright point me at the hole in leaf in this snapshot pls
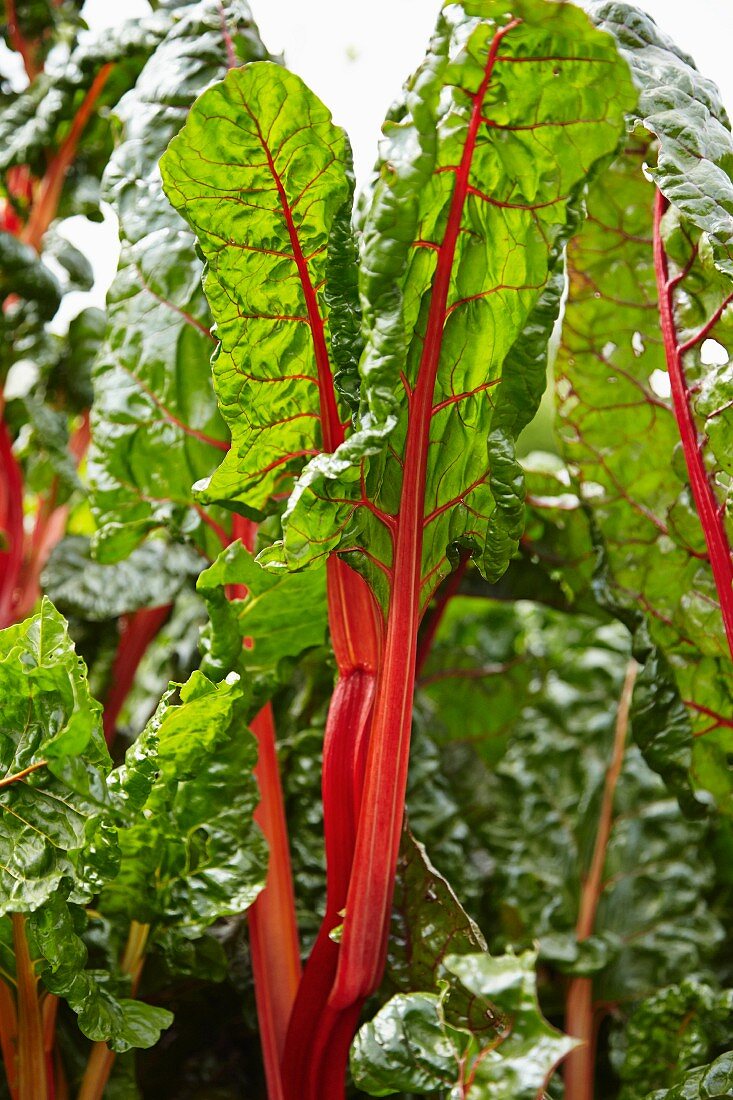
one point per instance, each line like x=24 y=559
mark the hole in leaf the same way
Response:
x=713 y=354
x=637 y=344
x=660 y=384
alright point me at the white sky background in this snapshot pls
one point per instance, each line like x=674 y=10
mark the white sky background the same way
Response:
x=355 y=56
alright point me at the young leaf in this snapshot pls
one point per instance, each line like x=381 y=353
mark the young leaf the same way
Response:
x=409 y=1046
x=156 y=425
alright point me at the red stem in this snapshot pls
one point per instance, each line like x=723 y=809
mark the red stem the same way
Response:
x=711 y=514
x=580 y=1017
x=366 y=924
x=11 y=523
x=273 y=930
x=137 y=632
x=314 y=1026
x=19 y=43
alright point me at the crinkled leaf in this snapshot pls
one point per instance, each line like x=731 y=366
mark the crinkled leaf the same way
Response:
x=653 y=922
x=37 y=119
x=51 y=740
x=409 y=1046
x=156 y=425
x=685 y=112
x=669 y=1034
x=260 y=172
x=152 y=575
x=103 y=1012
x=622 y=439
x=713 y=1082
x=477 y=194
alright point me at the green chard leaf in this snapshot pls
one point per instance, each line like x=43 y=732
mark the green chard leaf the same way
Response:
x=156 y=427
x=712 y=1082
x=37 y=120
x=24 y=274
x=410 y=1046
x=263 y=177
x=652 y=920
x=670 y=1033
x=53 y=793
x=624 y=414
x=104 y=1013
x=685 y=112
x=460 y=286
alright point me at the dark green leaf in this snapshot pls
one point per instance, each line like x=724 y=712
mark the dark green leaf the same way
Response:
x=152 y=576
x=713 y=1082
x=410 y=1047
x=156 y=426
x=669 y=1034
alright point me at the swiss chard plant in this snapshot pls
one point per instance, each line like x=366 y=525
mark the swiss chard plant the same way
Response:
x=410 y=770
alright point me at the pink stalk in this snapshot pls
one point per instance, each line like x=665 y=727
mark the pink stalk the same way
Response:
x=366 y=924
x=710 y=512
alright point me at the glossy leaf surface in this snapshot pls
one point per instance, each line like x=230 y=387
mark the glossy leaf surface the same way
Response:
x=260 y=174
x=480 y=155
x=620 y=429
x=192 y=853
x=410 y=1046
